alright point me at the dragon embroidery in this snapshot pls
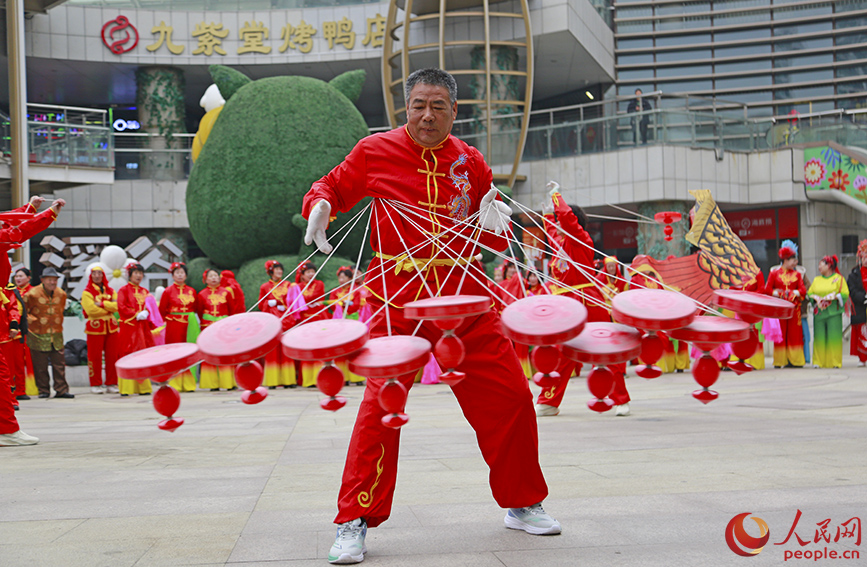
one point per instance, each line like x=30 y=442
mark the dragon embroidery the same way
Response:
x=459 y=205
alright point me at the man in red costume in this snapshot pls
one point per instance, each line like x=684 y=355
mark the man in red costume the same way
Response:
x=572 y=267
x=425 y=169
x=10 y=237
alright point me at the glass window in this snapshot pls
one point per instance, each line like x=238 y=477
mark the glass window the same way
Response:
x=852 y=71
x=635 y=59
x=818 y=75
x=643 y=43
x=740 y=66
x=818 y=59
x=691 y=39
x=686 y=71
x=685 y=86
x=851 y=54
x=849 y=5
x=802 y=11
x=741 y=51
x=720 y=5
x=741 y=18
x=806 y=92
x=849 y=38
x=752 y=96
x=683 y=23
x=637 y=12
x=742 y=35
x=635 y=27
x=852 y=87
x=798 y=44
x=744 y=81
x=802 y=28
x=672 y=56
x=682 y=8
x=635 y=75
x=852 y=22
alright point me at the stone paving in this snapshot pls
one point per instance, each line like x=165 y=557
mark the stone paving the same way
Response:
x=257 y=485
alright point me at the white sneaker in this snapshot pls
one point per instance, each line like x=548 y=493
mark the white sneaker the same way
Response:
x=543 y=410
x=532 y=520
x=17 y=439
x=113 y=390
x=349 y=544
x=860 y=364
x=621 y=410
x=96 y=390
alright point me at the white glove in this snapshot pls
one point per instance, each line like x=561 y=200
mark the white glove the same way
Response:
x=281 y=308
x=272 y=303
x=547 y=207
x=776 y=293
x=142 y=315
x=494 y=215
x=796 y=293
x=840 y=299
x=316 y=225
x=552 y=187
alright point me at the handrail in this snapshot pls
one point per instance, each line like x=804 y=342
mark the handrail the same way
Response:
x=74 y=108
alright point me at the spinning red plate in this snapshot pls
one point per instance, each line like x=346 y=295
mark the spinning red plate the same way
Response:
x=653 y=309
x=158 y=363
x=384 y=357
x=447 y=307
x=240 y=338
x=544 y=319
x=324 y=340
x=604 y=343
x=708 y=332
x=754 y=306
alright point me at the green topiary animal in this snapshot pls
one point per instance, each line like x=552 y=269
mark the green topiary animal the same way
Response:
x=271 y=141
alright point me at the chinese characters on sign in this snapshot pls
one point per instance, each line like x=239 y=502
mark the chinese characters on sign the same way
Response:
x=120 y=36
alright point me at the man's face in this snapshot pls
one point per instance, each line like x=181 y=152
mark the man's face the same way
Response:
x=179 y=276
x=49 y=283
x=429 y=114
x=638 y=93
x=21 y=279
x=97 y=276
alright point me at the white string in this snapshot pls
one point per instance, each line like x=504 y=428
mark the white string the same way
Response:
x=637 y=214
x=358 y=260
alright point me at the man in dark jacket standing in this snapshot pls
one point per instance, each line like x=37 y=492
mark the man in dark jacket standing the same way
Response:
x=856 y=282
x=639 y=123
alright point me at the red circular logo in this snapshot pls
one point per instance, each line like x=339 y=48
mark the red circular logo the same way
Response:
x=119 y=36
x=740 y=541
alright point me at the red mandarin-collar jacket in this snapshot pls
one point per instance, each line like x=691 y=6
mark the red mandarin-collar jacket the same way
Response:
x=440 y=185
x=12 y=235
x=563 y=271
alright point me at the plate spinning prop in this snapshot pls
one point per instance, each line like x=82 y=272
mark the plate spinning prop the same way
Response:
x=707 y=333
x=239 y=340
x=751 y=307
x=447 y=313
x=601 y=344
x=326 y=341
x=652 y=310
x=542 y=321
x=391 y=357
x=160 y=364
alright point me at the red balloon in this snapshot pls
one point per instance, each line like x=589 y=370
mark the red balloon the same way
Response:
x=746 y=348
x=705 y=370
x=450 y=351
x=333 y=404
x=452 y=377
x=330 y=380
x=249 y=375
x=392 y=396
x=545 y=358
x=600 y=381
x=652 y=347
x=167 y=400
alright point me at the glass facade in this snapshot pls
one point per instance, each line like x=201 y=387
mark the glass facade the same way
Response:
x=774 y=55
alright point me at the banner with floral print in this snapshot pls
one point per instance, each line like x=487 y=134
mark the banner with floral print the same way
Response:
x=828 y=169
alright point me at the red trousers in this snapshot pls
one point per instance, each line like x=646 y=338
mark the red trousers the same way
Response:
x=97 y=345
x=8 y=423
x=13 y=352
x=495 y=399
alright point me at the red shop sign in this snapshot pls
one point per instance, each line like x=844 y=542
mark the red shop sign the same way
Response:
x=762 y=224
x=619 y=234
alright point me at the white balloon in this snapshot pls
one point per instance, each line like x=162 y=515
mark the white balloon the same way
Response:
x=117 y=283
x=158 y=292
x=114 y=257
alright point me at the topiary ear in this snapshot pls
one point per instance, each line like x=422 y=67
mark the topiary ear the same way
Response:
x=348 y=83
x=228 y=80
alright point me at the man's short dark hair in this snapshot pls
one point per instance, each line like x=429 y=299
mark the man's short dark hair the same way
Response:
x=435 y=77
x=25 y=270
x=637 y=91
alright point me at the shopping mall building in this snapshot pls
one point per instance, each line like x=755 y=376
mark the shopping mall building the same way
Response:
x=763 y=102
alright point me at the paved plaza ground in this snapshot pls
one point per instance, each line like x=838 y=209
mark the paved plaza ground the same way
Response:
x=256 y=485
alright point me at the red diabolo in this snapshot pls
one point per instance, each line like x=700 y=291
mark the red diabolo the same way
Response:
x=249 y=376
x=600 y=382
x=167 y=400
x=450 y=352
x=546 y=359
x=652 y=348
x=392 y=398
x=744 y=350
x=329 y=381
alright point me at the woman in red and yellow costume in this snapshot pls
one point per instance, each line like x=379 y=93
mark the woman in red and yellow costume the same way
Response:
x=136 y=329
x=212 y=304
x=313 y=291
x=275 y=297
x=99 y=303
x=786 y=283
x=573 y=248
x=25 y=383
x=612 y=278
x=345 y=301
x=178 y=309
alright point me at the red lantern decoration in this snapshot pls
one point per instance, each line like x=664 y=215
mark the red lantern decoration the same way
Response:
x=666 y=218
